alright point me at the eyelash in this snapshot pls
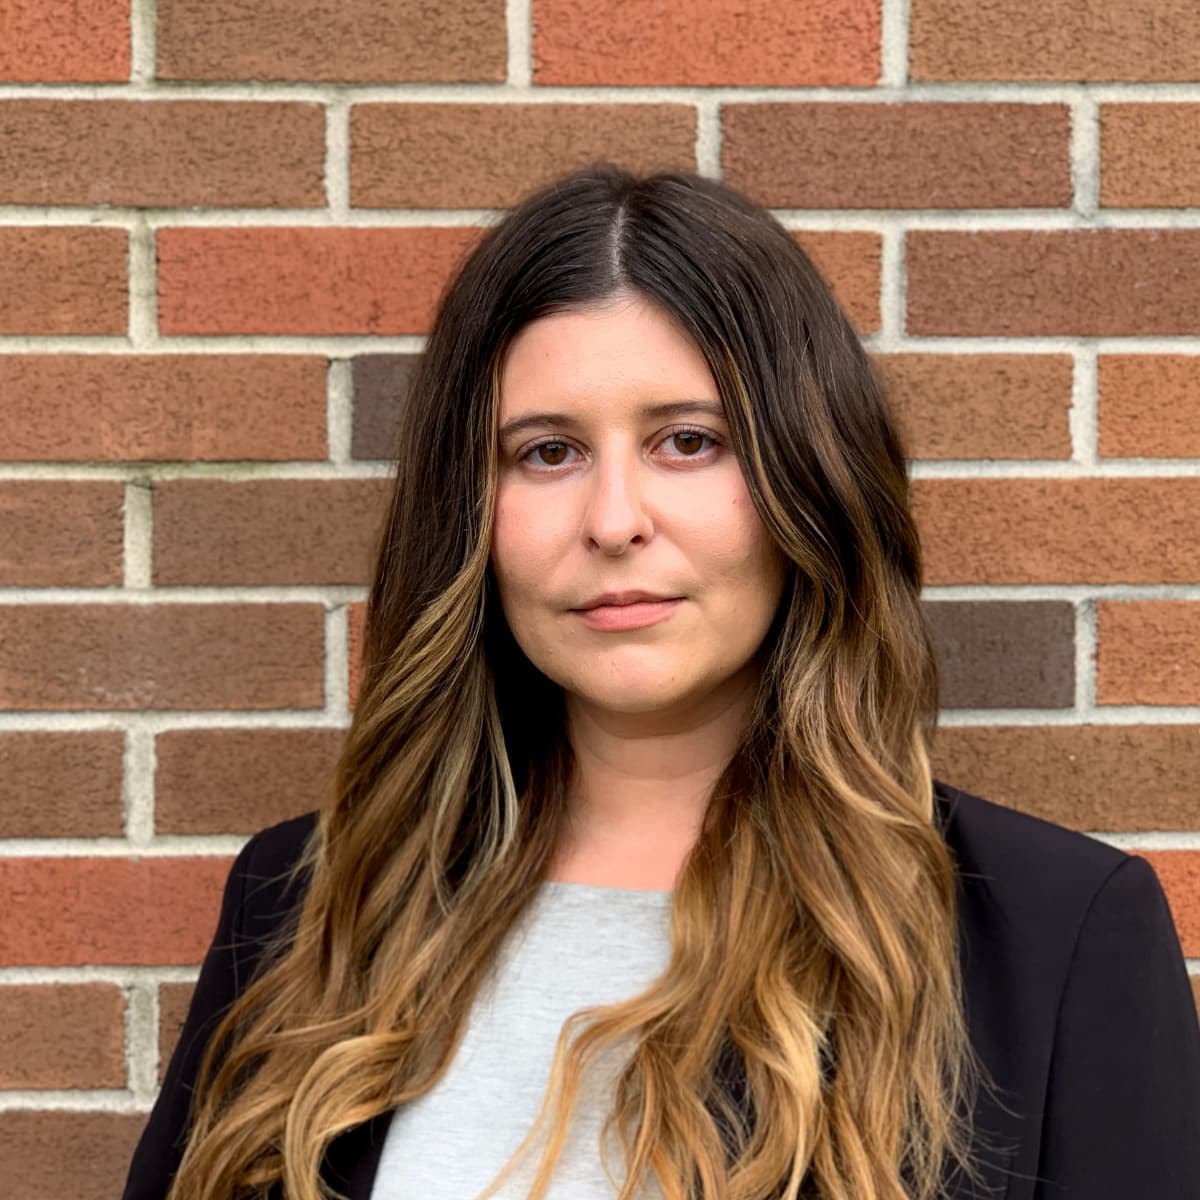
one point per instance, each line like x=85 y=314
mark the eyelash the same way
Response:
x=527 y=454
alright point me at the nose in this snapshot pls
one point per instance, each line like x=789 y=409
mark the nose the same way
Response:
x=616 y=514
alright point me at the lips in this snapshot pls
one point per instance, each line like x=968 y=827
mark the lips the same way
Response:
x=621 y=599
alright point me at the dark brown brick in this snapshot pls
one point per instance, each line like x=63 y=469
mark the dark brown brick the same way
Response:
x=69 y=657
x=829 y=155
x=62 y=1036
x=381 y=383
x=62 y=784
x=356 y=41
x=241 y=780
x=68 y=534
x=162 y=153
x=162 y=407
x=1004 y=654
x=59 y=1154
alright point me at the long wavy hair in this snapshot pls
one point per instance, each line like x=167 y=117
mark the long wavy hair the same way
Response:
x=807 y=1037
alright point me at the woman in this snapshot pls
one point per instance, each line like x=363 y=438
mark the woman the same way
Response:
x=643 y=737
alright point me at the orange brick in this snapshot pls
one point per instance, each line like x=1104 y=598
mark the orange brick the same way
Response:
x=1055 y=39
x=268 y=531
x=1149 y=406
x=1059 y=530
x=63 y=41
x=898 y=155
x=707 y=42
x=1179 y=873
x=62 y=1035
x=1089 y=282
x=1150 y=155
x=159 y=153
x=356 y=41
x=62 y=784
x=304 y=281
x=1095 y=778
x=182 y=407
x=489 y=155
x=59 y=1153
x=63 y=280
x=68 y=912
x=981 y=405
x=66 y=657
x=1147 y=652
x=851 y=263
x=68 y=534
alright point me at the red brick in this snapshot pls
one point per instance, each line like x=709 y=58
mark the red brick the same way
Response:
x=355 y=41
x=829 y=155
x=356 y=614
x=182 y=407
x=1095 y=778
x=1150 y=155
x=708 y=42
x=62 y=1036
x=1089 y=282
x=62 y=784
x=267 y=531
x=1179 y=873
x=160 y=153
x=981 y=405
x=1147 y=652
x=63 y=41
x=68 y=534
x=1055 y=39
x=305 y=281
x=1149 y=406
x=1059 y=530
x=240 y=780
x=490 y=155
x=65 y=657
x=63 y=280
x=173 y=1001
x=59 y=1153
x=69 y=912
x=851 y=263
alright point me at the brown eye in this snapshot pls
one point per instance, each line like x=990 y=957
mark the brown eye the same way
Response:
x=694 y=441
x=553 y=448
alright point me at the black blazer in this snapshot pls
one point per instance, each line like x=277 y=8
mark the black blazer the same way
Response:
x=1076 y=993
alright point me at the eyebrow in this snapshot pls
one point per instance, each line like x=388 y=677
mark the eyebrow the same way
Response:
x=675 y=408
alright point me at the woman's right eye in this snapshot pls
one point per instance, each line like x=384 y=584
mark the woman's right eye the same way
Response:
x=554 y=448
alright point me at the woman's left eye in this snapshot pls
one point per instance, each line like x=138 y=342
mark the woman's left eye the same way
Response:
x=689 y=441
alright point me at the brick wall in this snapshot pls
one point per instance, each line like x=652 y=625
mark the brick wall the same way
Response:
x=223 y=226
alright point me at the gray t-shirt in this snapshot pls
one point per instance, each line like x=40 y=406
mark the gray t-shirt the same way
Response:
x=576 y=945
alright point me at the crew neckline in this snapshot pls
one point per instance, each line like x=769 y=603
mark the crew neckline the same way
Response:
x=566 y=887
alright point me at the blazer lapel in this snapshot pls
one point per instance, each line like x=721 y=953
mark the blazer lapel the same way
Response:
x=352 y=1159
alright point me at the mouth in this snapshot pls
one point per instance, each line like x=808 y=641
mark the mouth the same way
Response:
x=624 y=600
x=631 y=614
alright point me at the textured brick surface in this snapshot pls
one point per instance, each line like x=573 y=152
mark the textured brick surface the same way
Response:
x=851 y=263
x=61 y=534
x=352 y=40
x=1059 y=530
x=1004 y=654
x=1149 y=405
x=747 y=42
x=1103 y=778
x=304 y=280
x=185 y=152
x=240 y=780
x=62 y=1036
x=381 y=383
x=64 y=41
x=1091 y=282
x=66 y=912
x=1054 y=39
x=63 y=280
x=173 y=1001
x=1179 y=873
x=981 y=405
x=275 y=531
x=898 y=155
x=61 y=784
x=1150 y=155
x=60 y=1154
x=356 y=617
x=489 y=155
x=161 y=656
x=1147 y=652
x=190 y=407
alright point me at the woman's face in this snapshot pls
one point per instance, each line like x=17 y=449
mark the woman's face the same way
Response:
x=604 y=491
